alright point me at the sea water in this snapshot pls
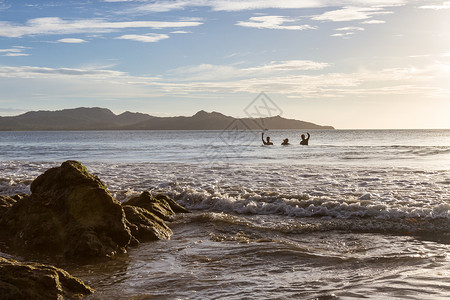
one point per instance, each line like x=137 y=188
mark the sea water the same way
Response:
x=356 y=214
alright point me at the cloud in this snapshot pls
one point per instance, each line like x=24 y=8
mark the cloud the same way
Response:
x=400 y=81
x=4 y=6
x=181 y=32
x=14 y=51
x=163 y=6
x=373 y=22
x=281 y=77
x=346 y=34
x=37 y=72
x=445 y=5
x=16 y=54
x=273 y=22
x=72 y=41
x=350 y=28
x=55 y=25
x=351 y=13
x=225 y=72
x=289 y=65
x=148 y=38
x=239 y=5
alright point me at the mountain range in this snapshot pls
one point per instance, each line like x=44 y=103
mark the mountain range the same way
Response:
x=96 y=118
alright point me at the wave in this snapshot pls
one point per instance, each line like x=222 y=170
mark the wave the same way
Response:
x=268 y=227
x=346 y=195
x=315 y=205
x=422 y=150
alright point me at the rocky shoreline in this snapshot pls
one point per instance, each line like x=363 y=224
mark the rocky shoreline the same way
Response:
x=71 y=215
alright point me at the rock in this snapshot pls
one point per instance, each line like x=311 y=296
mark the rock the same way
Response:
x=177 y=208
x=37 y=281
x=69 y=212
x=6 y=203
x=145 y=226
x=160 y=205
x=366 y=196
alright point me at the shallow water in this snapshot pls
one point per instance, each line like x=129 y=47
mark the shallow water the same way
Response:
x=357 y=214
x=219 y=257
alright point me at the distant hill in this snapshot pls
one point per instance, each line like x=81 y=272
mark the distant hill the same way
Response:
x=96 y=118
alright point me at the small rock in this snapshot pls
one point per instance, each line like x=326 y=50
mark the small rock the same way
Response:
x=146 y=225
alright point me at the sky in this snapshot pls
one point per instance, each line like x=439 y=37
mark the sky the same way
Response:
x=351 y=64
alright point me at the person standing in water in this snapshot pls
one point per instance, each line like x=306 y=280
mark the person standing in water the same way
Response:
x=304 y=140
x=285 y=142
x=267 y=142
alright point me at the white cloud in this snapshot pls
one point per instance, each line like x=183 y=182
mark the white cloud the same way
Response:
x=239 y=5
x=289 y=65
x=273 y=22
x=373 y=22
x=283 y=77
x=148 y=38
x=350 y=13
x=350 y=28
x=181 y=32
x=16 y=54
x=225 y=72
x=420 y=56
x=346 y=34
x=54 y=25
x=9 y=50
x=445 y=5
x=37 y=72
x=4 y=6
x=72 y=41
x=14 y=51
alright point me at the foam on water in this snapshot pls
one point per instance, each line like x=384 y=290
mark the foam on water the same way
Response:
x=357 y=214
x=391 y=198
x=388 y=196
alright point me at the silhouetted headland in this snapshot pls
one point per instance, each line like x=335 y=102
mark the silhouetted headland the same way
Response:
x=96 y=118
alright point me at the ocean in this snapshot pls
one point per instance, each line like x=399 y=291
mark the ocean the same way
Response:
x=356 y=214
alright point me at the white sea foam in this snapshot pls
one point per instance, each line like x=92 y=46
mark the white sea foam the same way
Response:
x=280 y=190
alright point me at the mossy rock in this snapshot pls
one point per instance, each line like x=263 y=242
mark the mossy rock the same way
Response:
x=146 y=226
x=69 y=211
x=37 y=281
x=6 y=203
x=160 y=205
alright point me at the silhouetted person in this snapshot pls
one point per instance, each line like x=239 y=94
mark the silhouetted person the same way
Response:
x=304 y=140
x=268 y=142
x=285 y=142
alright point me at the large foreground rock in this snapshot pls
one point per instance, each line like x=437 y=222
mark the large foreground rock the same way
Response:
x=37 y=281
x=71 y=213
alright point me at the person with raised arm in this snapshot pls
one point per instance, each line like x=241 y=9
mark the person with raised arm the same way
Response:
x=304 y=140
x=267 y=141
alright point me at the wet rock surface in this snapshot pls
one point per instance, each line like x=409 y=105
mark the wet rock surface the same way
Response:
x=20 y=280
x=70 y=214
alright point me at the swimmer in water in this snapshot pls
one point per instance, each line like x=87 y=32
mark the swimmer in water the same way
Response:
x=304 y=140
x=285 y=142
x=267 y=142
